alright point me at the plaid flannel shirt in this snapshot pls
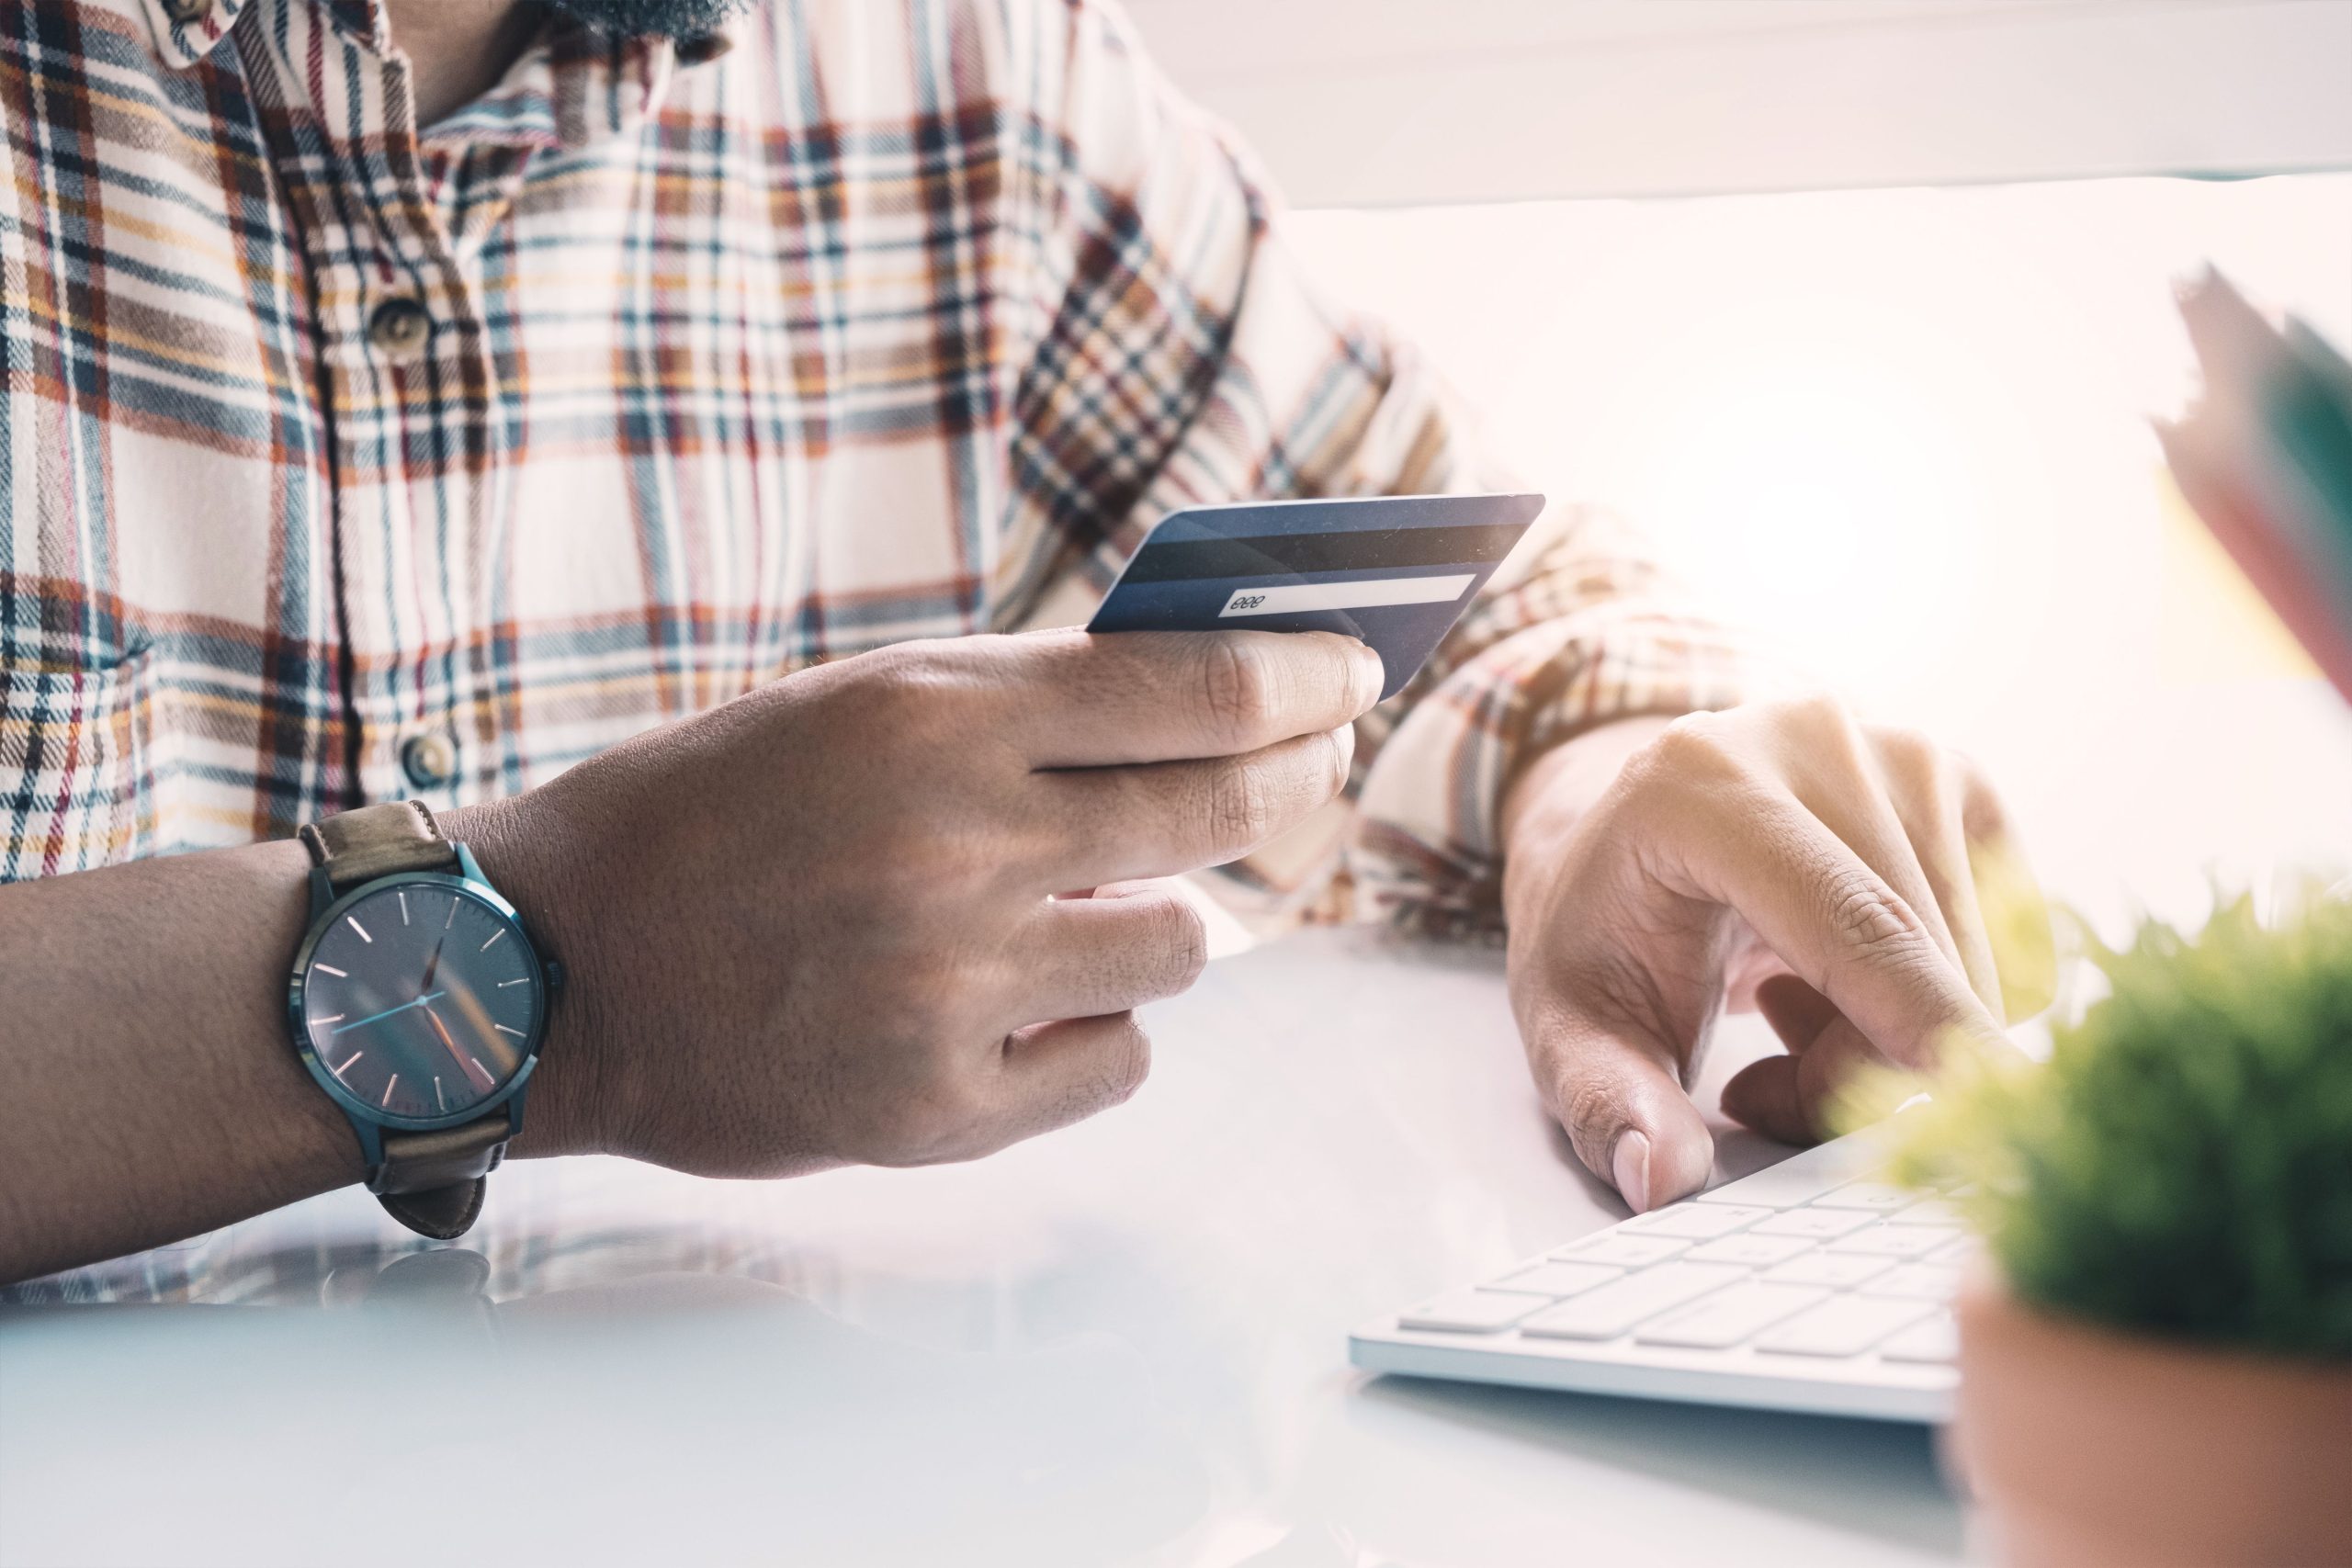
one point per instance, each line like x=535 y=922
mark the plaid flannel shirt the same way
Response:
x=342 y=461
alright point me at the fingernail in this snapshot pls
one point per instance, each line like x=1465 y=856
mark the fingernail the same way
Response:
x=1630 y=1164
x=1376 y=673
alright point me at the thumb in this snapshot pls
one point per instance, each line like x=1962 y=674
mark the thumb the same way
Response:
x=1626 y=1115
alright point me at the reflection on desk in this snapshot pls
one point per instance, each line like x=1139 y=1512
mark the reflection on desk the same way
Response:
x=1125 y=1343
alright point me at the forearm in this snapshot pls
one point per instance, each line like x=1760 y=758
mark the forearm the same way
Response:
x=151 y=1089
x=152 y=1092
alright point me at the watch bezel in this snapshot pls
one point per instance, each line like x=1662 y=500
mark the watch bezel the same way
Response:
x=297 y=1026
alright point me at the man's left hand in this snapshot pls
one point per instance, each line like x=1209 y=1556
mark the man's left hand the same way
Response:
x=1859 y=885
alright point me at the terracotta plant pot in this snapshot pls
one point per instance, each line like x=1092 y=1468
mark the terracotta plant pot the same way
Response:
x=2092 y=1449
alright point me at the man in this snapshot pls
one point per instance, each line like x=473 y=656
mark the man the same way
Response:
x=572 y=419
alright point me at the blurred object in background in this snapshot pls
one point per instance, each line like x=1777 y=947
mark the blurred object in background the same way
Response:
x=2266 y=457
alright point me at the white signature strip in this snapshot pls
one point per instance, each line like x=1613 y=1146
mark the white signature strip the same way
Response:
x=1362 y=593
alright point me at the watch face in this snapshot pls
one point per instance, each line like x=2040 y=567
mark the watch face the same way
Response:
x=420 y=999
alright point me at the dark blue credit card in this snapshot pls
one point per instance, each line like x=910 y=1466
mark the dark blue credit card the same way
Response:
x=1396 y=572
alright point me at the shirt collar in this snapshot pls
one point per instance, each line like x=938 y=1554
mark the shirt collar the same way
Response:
x=187 y=30
x=572 y=88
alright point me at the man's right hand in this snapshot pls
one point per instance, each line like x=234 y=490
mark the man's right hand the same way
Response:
x=817 y=925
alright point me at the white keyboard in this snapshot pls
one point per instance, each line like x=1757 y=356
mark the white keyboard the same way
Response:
x=1806 y=1286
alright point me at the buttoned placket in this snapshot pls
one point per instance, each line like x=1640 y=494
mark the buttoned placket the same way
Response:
x=392 y=224
x=424 y=384
x=410 y=388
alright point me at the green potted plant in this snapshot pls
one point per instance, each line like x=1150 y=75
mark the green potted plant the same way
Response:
x=2156 y=1351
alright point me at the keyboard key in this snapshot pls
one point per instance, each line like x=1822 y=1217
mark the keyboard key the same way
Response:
x=1933 y=1340
x=1920 y=1281
x=1843 y=1325
x=1875 y=1196
x=1934 y=1212
x=1894 y=1241
x=1837 y=1270
x=1626 y=1251
x=1754 y=1251
x=1697 y=1222
x=1812 y=1222
x=1616 y=1307
x=1728 y=1316
x=1470 y=1312
x=1800 y=1179
x=1556 y=1279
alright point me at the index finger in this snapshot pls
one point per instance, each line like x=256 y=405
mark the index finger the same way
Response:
x=1839 y=925
x=1123 y=697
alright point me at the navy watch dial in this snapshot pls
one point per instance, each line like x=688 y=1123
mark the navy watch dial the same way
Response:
x=420 y=1001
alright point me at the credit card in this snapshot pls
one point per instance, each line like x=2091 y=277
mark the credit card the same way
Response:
x=1394 y=571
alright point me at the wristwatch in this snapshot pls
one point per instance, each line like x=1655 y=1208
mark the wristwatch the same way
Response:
x=418 y=1000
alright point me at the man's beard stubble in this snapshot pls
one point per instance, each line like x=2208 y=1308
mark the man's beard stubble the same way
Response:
x=666 y=19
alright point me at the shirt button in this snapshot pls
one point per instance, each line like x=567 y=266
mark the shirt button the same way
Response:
x=399 y=326
x=701 y=48
x=188 y=12
x=430 y=760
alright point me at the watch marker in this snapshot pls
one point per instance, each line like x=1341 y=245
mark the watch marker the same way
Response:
x=353 y=922
x=330 y=969
x=438 y=1100
x=331 y=1018
x=503 y=1030
x=389 y=1082
x=487 y=1081
x=524 y=981
x=403 y=899
x=347 y=1061
x=453 y=913
x=493 y=937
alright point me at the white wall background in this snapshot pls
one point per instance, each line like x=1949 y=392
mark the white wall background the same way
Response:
x=1902 y=430
x=1382 y=101
x=1906 y=433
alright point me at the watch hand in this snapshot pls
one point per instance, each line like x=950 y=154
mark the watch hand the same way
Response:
x=456 y=1055
x=432 y=963
x=388 y=1012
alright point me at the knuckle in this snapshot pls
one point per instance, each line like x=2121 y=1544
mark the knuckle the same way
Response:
x=917 y=690
x=1181 y=940
x=1342 y=742
x=1693 y=746
x=925 y=861
x=1819 y=738
x=1237 y=809
x=1236 y=686
x=1821 y=712
x=1971 y=776
x=1590 y=1102
x=1593 y=1108
x=1870 y=921
x=1126 y=1063
x=924 y=1006
x=1911 y=755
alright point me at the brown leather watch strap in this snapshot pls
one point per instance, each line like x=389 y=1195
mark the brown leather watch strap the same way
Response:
x=432 y=1182
x=378 y=841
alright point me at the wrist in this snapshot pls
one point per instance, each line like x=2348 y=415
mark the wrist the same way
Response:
x=536 y=861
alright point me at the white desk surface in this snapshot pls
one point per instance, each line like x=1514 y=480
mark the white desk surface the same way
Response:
x=1122 y=1343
